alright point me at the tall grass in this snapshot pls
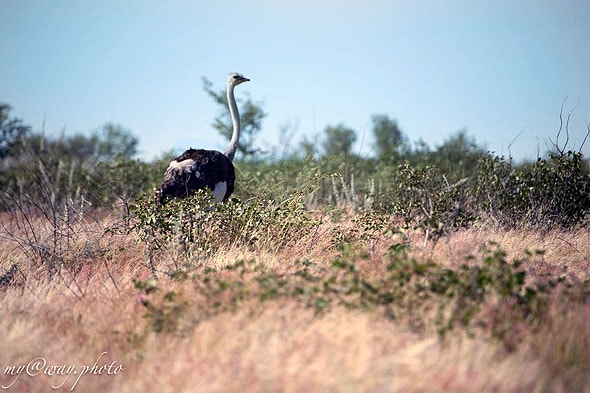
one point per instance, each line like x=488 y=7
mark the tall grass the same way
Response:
x=342 y=305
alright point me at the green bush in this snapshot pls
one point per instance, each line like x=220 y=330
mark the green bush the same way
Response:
x=487 y=293
x=426 y=199
x=553 y=192
x=196 y=227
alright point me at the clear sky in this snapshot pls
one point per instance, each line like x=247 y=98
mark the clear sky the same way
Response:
x=497 y=68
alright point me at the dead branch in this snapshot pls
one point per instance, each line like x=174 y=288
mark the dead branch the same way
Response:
x=586 y=136
x=559 y=150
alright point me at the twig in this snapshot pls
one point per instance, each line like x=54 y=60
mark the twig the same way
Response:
x=561 y=151
x=585 y=137
x=512 y=142
x=106 y=265
x=560 y=121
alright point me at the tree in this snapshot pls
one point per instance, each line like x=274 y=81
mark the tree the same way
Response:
x=308 y=146
x=459 y=155
x=338 y=140
x=111 y=143
x=116 y=142
x=389 y=139
x=11 y=130
x=251 y=116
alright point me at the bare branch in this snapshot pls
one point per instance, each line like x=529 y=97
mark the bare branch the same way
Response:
x=512 y=142
x=567 y=127
x=561 y=150
x=586 y=136
x=560 y=123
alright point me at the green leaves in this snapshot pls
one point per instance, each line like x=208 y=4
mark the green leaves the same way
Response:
x=195 y=228
x=551 y=192
x=488 y=292
x=11 y=130
x=338 y=140
x=426 y=199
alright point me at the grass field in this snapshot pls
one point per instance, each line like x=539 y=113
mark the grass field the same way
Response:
x=339 y=308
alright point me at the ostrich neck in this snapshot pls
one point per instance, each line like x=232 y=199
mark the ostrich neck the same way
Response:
x=235 y=117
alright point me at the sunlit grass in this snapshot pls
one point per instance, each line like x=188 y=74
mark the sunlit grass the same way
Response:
x=345 y=306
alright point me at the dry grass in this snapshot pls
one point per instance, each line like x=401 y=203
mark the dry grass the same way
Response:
x=186 y=336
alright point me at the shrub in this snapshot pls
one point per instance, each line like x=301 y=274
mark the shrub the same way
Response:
x=196 y=227
x=426 y=199
x=551 y=192
x=487 y=293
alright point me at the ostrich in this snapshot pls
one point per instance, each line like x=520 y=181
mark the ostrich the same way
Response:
x=198 y=169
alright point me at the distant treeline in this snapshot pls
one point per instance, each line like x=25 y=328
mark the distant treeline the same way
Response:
x=449 y=185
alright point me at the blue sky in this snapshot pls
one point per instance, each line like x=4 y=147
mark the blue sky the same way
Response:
x=496 y=68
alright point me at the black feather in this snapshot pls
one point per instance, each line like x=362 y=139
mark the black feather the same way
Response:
x=206 y=169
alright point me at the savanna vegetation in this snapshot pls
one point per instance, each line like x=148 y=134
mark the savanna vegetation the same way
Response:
x=418 y=269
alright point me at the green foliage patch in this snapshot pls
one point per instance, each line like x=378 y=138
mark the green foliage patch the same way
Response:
x=436 y=189
x=487 y=293
x=196 y=227
x=553 y=192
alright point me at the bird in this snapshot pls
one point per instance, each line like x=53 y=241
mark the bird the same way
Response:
x=198 y=169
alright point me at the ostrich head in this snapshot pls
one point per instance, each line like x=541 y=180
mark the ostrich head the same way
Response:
x=235 y=79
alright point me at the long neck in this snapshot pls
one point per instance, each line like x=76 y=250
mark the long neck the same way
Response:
x=235 y=117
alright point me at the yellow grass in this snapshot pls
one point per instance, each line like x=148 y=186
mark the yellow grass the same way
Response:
x=91 y=312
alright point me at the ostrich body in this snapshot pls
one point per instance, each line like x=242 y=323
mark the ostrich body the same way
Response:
x=199 y=169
